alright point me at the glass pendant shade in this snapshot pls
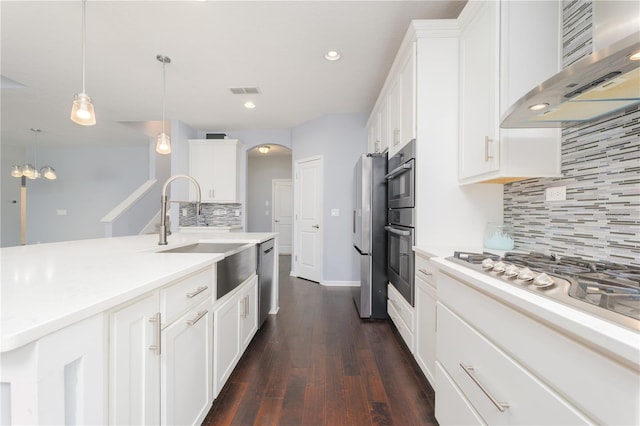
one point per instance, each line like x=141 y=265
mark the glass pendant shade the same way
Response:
x=16 y=171
x=29 y=171
x=82 y=111
x=163 y=144
x=264 y=149
x=48 y=172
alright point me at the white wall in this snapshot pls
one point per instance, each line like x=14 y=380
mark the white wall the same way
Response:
x=340 y=139
x=260 y=172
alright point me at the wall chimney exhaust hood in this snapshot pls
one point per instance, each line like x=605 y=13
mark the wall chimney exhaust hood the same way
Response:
x=600 y=83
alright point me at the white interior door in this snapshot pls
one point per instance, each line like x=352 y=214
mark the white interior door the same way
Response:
x=282 y=205
x=308 y=219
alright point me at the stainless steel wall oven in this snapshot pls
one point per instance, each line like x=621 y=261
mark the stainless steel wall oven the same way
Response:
x=401 y=221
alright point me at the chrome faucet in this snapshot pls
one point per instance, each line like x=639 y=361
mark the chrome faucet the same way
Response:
x=164 y=201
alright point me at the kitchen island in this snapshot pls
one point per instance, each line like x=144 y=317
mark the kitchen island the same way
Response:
x=61 y=304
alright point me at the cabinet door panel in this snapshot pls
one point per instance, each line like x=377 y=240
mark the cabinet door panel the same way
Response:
x=214 y=164
x=249 y=320
x=187 y=379
x=134 y=387
x=408 y=98
x=226 y=340
x=479 y=151
x=426 y=329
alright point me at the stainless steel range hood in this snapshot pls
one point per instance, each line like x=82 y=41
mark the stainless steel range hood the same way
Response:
x=596 y=85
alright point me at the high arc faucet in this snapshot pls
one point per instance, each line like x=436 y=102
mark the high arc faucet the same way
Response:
x=164 y=201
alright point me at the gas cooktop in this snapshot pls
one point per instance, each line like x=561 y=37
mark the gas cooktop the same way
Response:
x=605 y=289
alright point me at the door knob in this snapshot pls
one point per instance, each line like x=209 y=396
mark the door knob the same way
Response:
x=316 y=226
x=276 y=221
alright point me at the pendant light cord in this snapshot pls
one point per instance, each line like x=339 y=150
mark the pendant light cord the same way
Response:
x=164 y=92
x=84 y=43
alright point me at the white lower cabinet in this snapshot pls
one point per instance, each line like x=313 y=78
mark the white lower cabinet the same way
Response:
x=186 y=364
x=134 y=364
x=426 y=298
x=235 y=323
x=403 y=316
x=498 y=365
x=159 y=363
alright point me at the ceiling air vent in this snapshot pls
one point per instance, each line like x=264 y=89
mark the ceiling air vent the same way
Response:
x=245 y=90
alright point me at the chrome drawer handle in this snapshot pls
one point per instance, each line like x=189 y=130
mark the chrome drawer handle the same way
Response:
x=501 y=406
x=196 y=292
x=158 y=346
x=197 y=318
x=487 y=141
x=424 y=271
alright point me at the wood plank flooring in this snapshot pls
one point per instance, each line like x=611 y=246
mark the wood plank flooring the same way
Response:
x=318 y=363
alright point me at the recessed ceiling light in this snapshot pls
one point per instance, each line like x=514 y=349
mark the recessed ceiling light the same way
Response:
x=249 y=105
x=538 y=107
x=332 y=55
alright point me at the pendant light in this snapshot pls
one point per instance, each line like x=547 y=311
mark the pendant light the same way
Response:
x=82 y=111
x=163 y=141
x=31 y=172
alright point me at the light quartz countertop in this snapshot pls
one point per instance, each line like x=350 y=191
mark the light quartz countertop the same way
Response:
x=46 y=287
x=615 y=340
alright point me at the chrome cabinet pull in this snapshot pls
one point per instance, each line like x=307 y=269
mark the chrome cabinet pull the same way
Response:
x=424 y=271
x=487 y=157
x=158 y=346
x=197 y=318
x=316 y=226
x=196 y=292
x=501 y=406
x=396 y=136
x=242 y=308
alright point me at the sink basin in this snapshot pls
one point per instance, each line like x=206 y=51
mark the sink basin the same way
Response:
x=240 y=262
x=205 y=248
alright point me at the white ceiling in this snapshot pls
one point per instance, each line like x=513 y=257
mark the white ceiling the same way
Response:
x=277 y=46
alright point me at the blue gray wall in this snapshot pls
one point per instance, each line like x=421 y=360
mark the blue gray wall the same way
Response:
x=260 y=173
x=10 y=196
x=339 y=139
x=91 y=181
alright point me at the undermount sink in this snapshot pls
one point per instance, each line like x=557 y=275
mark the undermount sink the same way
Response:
x=205 y=248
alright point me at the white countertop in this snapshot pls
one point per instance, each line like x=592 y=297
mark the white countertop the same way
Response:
x=46 y=287
x=618 y=341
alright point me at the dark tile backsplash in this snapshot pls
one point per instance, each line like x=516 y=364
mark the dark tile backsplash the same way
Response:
x=211 y=214
x=600 y=218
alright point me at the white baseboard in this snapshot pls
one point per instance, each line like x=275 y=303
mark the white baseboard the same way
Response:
x=340 y=283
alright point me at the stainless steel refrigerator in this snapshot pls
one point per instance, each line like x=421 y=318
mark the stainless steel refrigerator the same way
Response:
x=369 y=235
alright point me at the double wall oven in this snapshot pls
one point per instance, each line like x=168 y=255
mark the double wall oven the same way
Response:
x=401 y=221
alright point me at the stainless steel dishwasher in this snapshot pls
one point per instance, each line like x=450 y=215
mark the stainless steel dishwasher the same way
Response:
x=265 y=278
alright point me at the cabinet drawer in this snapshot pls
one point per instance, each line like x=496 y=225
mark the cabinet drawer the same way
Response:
x=452 y=408
x=499 y=389
x=404 y=331
x=568 y=366
x=425 y=270
x=402 y=307
x=179 y=297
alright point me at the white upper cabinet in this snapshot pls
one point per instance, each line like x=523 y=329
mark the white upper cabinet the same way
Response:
x=215 y=164
x=506 y=48
x=393 y=120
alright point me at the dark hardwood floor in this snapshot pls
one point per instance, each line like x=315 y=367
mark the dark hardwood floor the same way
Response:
x=318 y=363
